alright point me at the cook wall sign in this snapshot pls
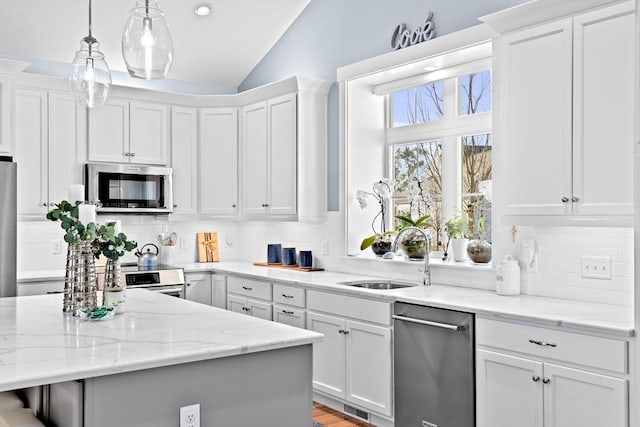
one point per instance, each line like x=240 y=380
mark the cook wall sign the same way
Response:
x=403 y=37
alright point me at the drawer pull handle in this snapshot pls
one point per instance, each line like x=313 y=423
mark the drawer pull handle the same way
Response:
x=543 y=344
x=535 y=378
x=287 y=312
x=546 y=380
x=246 y=288
x=342 y=331
x=246 y=309
x=287 y=296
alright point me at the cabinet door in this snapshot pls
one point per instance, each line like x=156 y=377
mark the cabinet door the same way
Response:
x=255 y=151
x=237 y=304
x=198 y=288
x=31 y=151
x=328 y=354
x=5 y=115
x=533 y=78
x=109 y=132
x=508 y=391
x=259 y=309
x=603 y=126
x=218 y=156
x=282 y=160
x=289 y=316
x=368 y=366
x=219 y=291
x=66 y=145
x=148 y=133
x=184 y=139
x=577 y=398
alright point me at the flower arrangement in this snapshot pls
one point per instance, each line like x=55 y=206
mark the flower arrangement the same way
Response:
x=381 y=192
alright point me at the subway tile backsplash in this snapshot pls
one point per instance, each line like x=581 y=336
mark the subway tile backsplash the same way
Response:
x=559 y=253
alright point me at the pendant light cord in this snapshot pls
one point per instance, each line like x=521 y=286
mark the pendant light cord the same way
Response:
x=90 y=19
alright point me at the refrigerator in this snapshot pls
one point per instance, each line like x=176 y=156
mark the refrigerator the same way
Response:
x=8 y=227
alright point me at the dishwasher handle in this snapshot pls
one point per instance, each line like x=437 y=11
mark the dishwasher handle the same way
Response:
x=457 y=328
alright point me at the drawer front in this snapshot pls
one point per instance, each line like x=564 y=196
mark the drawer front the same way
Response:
x=289 y=295
x=354 y=307
x=249 y=288
x=289 y=316
x=587 y=350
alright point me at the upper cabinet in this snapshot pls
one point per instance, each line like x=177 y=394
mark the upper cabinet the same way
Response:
x=129 y=132
x=269 y=142
x=49 y=148
x=5 y=115
x=184 y=138
x=218 y=162
x=563 y=117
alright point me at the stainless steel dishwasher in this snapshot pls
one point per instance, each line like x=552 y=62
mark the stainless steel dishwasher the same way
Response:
x=434 y=367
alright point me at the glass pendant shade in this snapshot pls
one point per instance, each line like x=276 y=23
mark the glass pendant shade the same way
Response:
x=147 y=47
x=90 y=76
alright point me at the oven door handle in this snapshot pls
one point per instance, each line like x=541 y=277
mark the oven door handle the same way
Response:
x=167 y=290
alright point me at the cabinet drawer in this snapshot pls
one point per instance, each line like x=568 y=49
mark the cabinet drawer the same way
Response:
x=354 y=307
x=289 y=316
x=289 y=295
x=597 y=352
x=249 y=288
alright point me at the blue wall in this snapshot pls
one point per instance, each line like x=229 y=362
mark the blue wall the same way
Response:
x=329 y=34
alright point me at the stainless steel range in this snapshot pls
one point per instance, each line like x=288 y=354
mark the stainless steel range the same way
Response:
x=165 y=279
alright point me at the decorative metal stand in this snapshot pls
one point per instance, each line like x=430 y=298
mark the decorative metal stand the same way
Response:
x=80 y=283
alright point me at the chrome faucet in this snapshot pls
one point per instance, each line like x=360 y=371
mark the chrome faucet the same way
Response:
x=426 y=273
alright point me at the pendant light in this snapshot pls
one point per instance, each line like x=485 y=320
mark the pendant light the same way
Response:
x=147 y=47
x=90 y=78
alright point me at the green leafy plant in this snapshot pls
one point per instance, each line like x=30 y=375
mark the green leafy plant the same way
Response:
x=457 y=227
x=407 y=221
x=368 y=241
x=103 y=238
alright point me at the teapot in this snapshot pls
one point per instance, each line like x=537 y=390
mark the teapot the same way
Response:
x=147 y=259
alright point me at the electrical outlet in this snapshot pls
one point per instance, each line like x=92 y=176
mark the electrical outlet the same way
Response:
x=183 y=243
x=190 y=416
x=596 y=267
x=325 y=248
x=56 y=247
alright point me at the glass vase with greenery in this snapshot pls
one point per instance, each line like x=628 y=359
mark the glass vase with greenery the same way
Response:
x=457 y=230
x=381 y=241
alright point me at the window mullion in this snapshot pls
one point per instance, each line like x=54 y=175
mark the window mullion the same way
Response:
x=451 y=182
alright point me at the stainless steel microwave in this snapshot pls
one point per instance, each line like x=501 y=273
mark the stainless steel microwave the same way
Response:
x=134 y=189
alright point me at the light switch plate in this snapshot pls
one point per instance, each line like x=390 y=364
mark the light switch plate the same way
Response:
x=596 y=267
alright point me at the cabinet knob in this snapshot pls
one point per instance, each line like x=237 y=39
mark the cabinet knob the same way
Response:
x=575 y=199
x=188 y=284
x=175 y=206
x=44 y=204
x=133 y=154
x=565 y=200
x=535 y=378
x=233 y=206
x=127 y=154
x=546 y=380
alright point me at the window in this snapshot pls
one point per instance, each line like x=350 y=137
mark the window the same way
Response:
x=439 y=141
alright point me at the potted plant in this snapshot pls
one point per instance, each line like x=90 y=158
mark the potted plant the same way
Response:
x=457 y=229
x=479 y=249
x=381 y=241
x=413 y=243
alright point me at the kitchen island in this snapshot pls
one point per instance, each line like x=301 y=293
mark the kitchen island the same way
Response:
x=163 y=353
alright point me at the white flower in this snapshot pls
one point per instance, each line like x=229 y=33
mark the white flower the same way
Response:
x=383 y=188
x=361 y=197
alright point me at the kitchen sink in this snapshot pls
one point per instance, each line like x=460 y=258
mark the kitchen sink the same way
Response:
x=379 y=285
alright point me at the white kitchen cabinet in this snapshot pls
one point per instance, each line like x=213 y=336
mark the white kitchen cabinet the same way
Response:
x=129 y=132
x=184 y=154
x=522 y=379
x=289 y=304
x=248 y=296
x=565 y=103
x=269 y=147
x=49 y=148
x=218 y=162
x=251 y=307
x=353 y=362
x=198 y=287
x=219 y=290
x=41 y=287
x=5 y=115
x=289 y=316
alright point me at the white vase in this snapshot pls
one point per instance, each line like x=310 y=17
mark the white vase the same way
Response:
x=459 y=247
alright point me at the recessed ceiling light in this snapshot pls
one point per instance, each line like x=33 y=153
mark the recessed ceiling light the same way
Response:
x=203 y=9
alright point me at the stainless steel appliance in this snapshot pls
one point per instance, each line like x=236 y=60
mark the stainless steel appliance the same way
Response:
x=130 y=188
x=8 y=227
x=434 y=367
x=162 y=278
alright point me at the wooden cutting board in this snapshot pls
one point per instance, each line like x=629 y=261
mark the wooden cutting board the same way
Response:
x=208 y=247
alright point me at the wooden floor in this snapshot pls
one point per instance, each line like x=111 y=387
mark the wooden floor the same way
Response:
x=332 y=418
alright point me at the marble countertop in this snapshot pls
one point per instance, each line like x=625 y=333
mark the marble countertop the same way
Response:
x=40 y=345
x=585 y=316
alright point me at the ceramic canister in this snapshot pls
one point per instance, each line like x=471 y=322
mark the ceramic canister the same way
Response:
x=508 y=276
x=289 y=256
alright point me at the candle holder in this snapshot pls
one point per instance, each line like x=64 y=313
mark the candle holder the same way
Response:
x=81 y=280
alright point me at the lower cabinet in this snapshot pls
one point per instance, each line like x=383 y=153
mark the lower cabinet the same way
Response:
x=289 y=316
x=198 y=287
x=353 y=361
x=40 y=287
x=515 y=389
x=249 y=306
x=219 y=290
